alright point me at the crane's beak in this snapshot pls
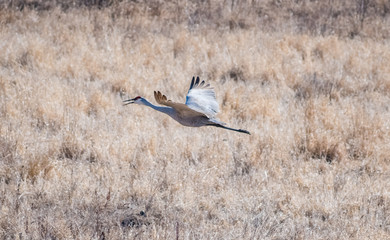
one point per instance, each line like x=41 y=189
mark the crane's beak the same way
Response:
x=128 y=101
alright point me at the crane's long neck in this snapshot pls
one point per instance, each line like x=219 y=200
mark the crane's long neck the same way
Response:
x=166 y=110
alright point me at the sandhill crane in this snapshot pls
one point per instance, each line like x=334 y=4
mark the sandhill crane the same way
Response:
x=199 y=110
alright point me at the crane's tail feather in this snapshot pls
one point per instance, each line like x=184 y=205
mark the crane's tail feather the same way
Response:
x=216 y=121
x=232 y=129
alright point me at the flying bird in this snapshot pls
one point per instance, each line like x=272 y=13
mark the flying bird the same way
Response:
x=199 y=110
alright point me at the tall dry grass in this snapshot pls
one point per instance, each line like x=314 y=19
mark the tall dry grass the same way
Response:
x=76 y=164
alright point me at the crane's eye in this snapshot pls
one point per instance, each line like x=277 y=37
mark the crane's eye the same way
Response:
x=136 y=98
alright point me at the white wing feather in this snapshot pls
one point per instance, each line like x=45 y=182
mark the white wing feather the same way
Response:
x=202 y=98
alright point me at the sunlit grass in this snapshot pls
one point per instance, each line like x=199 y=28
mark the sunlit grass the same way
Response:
x=76 y=163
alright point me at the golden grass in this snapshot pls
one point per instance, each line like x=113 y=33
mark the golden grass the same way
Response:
x=76 y=164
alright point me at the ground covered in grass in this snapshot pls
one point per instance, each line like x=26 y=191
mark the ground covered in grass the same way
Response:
x=310 y=80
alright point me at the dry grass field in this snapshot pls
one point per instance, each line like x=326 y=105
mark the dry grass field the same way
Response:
x=309 y=79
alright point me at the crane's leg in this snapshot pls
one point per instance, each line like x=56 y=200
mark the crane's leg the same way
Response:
x=228 y=128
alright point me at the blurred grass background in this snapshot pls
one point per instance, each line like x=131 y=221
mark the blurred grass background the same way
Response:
x=309 y=79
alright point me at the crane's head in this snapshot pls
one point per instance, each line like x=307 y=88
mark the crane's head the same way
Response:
x=136 y=100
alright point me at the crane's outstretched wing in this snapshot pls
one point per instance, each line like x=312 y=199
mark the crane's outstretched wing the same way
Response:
x=201 y=98
x=182 y=110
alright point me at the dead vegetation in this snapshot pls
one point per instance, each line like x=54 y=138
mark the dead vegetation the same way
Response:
x=308 y=79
